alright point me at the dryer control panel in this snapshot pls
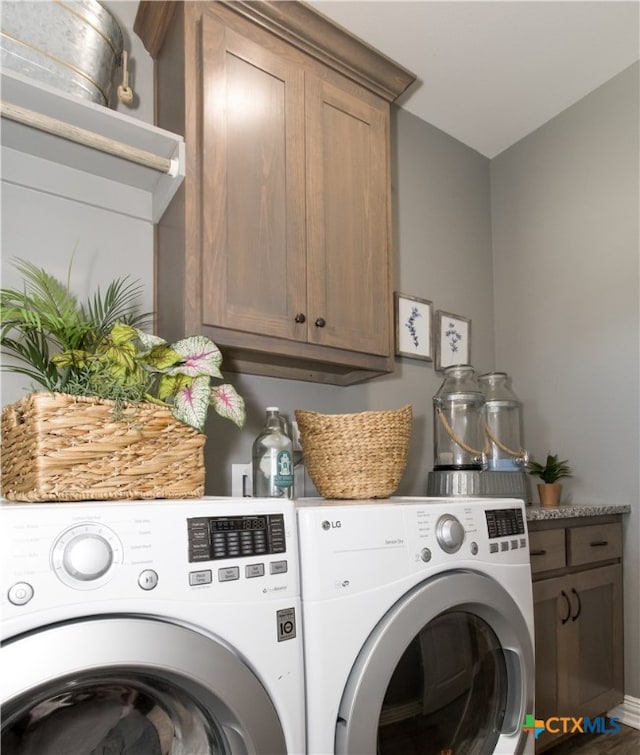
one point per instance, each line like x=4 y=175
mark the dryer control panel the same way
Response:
x=349 y=547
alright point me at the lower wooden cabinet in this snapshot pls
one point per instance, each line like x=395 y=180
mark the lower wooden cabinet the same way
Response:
x=577 y=592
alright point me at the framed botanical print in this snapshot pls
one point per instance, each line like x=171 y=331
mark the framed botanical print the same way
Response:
x=414 y=329
x=453 y=340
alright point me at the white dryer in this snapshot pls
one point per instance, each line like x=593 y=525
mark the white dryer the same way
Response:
x=156 y=627
x=418 y=626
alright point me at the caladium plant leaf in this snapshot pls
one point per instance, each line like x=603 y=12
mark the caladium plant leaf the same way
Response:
x=67 y=358
x=148 y=340
x=121 y=334
x=162 y=357
x=229 y=404
x=191 y=403
x=200 y=356
x=169 y=385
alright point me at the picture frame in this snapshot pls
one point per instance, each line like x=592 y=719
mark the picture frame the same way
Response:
x=413 y=327
x=453 y=340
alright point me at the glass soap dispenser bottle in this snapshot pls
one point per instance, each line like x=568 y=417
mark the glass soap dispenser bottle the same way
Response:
x=272 y=459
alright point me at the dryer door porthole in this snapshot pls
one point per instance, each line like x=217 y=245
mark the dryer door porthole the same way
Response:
x=141 y=685
x=448 y=668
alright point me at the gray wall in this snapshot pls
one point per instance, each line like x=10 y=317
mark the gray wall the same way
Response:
x=566 y=291
x=565 y=197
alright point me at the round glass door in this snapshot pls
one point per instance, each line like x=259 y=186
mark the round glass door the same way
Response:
x=121 y=714
x=447 y=671
x=448 y=691
x=131 y=686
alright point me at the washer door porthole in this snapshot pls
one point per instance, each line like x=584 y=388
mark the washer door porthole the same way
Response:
x=124 y=679
x=116 y=712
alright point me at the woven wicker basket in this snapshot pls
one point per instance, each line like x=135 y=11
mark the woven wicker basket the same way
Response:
x=355 y=456
x=57 y=447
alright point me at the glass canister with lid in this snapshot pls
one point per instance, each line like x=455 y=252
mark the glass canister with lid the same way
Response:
x=458 y=422
x=502 y=419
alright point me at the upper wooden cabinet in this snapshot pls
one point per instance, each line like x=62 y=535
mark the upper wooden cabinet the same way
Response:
x=279 y=245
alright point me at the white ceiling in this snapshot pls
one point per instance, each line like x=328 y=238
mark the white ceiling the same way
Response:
x=489 y=73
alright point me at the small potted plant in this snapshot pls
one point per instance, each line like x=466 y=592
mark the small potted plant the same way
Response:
x=550 y=473
x=139 y=399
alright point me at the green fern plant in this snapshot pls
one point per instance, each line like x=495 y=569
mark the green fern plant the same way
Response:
x=44 y=317
x=552 y=470
x=98 y=348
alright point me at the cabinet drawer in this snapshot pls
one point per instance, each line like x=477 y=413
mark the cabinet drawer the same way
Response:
x=598 y=542
x=547 y=550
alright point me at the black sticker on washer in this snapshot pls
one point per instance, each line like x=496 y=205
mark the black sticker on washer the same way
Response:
x=286 y=619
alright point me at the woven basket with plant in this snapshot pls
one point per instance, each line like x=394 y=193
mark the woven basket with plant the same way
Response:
x=121 y=412
x=355 y=456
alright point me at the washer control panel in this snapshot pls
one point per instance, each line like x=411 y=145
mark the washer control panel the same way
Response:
x=221 y=537
x=58 y=557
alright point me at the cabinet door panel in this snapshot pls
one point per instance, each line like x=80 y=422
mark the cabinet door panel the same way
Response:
x=549 y=610
x=347 y=222
x=253 y=269
x=595 y=682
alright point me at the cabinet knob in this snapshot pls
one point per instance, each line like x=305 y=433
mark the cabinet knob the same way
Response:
x=300 y=317
x=321 y=322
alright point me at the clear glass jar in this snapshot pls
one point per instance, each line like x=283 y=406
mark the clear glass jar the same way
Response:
x=458 y=421
x=502 y=416
x=272 y=459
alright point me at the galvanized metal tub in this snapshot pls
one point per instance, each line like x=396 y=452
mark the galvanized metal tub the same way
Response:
x=74 y=45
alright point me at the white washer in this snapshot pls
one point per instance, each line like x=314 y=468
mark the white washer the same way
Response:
x=164 y=627
x=418 y=626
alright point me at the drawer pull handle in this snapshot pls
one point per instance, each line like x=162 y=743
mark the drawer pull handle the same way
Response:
x=320 y=322
x=579 y=602
x=568 y=616
x=300 y=317
x=543 y=552
x=599 y=543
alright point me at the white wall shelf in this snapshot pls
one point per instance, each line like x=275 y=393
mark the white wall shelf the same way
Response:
x=56 y=143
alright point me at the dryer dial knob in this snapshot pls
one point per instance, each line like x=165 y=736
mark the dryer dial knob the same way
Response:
x=87 y=557
x=449 y=533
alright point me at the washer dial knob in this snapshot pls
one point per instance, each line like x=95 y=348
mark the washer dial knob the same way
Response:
x=87 y=557
x=83 y=556
x=449 y=533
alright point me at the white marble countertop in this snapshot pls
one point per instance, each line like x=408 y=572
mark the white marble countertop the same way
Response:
x=536 y=512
